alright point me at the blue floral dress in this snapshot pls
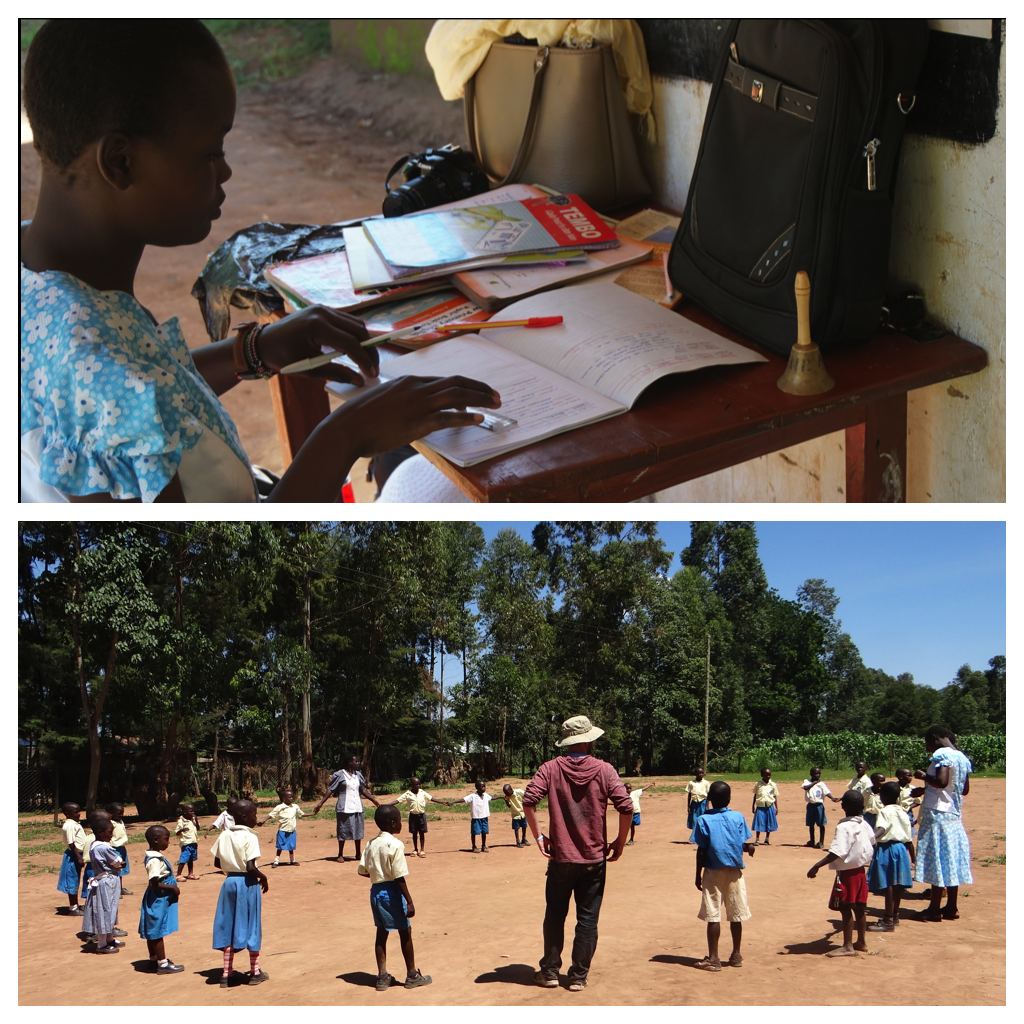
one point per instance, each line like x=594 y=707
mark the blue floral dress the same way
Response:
x=943 y=849
x=117 y=399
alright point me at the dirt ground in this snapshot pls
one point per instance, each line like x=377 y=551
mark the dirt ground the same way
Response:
x=481 y=942
x=313 y=150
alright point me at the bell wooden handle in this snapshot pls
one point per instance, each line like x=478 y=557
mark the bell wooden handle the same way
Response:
x=802 y=288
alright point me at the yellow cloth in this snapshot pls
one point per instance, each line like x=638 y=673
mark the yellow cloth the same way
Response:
x=766 y=794
x=907 y=802
x=120 y=836
x=892 y=825
x=457 y=47
x=155 y=866
x=288 y=815
x=698 y=790
x=88 y=838
x=74 y=834
x=858 y=785
x=872 y=802
x=634 y=795
x=516 y=803
x=236 y=847
x=383 y=859
x=191 y=833
x=417 y=801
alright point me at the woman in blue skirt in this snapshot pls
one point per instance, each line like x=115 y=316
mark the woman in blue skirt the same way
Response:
x=943 y=850
x=766 y=796
x=158 y=915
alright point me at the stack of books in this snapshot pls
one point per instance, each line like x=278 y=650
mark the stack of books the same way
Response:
x=454 y=261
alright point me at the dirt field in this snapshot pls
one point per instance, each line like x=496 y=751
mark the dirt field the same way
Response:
x=299 y=155
x=481 y=941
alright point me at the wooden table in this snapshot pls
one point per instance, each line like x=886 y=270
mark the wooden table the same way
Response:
x=691 y=424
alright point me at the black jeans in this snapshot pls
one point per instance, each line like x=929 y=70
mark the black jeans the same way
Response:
x=585 y=883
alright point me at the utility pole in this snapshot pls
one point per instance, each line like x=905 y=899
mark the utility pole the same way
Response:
x=707 y=701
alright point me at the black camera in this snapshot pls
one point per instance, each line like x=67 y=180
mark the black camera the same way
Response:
x=432 y=178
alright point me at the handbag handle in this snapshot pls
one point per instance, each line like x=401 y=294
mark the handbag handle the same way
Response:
x=540 y=65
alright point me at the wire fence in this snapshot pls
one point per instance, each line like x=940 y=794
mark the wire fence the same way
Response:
x=37 y=789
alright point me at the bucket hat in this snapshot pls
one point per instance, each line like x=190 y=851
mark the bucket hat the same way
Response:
x=578 y=730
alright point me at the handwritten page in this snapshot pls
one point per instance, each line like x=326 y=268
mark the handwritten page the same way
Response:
x=613 y=341
x=543 y=402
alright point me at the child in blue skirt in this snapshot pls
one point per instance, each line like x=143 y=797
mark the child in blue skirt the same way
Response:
x=286 y=813
x=187 y=831
x=815 y=792
x=238 y=921
x=891 y=872
x=696 y=799
x=72 y=864
x=634 y=795
x=120 y=842
x=100 y=917
x=383 y=862
x=905 y=777
x=766 y=796
x=158 y=915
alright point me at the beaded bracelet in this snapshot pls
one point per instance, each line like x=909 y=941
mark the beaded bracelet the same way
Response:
x=248 y=365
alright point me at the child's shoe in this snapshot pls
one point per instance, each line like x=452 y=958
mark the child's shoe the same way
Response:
x=119 y=933
x=170 y=968
x=76 y=911
x=881 y=926
x=578 y=985
x=258 y=979
x=385 y=981
x=225 y=980
x=416 y=980
x=544 y=981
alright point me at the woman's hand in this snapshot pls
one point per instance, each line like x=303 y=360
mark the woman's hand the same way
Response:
x=306 y=333
x=405 y=409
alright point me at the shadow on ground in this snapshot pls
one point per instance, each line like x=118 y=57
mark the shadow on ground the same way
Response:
x=509 y=974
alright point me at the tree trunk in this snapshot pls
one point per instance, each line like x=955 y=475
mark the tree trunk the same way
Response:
x=216 y=749
x=167 y=759
x=284 y=746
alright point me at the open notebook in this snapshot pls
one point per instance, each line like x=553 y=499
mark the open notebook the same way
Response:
x=612 y=345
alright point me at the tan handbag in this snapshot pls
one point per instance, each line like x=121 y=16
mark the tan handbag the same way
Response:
x=557 y=117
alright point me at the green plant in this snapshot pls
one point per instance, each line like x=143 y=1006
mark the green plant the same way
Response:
x=999 y=858
x=37 y=869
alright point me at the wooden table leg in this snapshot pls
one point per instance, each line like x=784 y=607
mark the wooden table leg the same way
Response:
x=300 y=403
x=876 y=453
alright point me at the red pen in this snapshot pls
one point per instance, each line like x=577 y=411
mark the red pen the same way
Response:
x=534 y=321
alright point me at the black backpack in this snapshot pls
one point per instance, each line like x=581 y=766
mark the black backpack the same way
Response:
x=796 y=171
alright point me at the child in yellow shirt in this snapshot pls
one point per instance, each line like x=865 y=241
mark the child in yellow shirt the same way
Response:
x=288 y=812
x=187 y=831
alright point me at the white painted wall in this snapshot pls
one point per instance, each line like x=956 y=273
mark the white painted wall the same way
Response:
x=949 y=238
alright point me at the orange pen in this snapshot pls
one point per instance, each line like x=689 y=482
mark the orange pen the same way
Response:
x=534 y=321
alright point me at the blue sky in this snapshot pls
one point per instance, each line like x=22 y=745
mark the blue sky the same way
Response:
x=922 y=598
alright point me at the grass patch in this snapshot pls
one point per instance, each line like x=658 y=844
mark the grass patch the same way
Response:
x=998 y=859
x=37 y=869
x=31 y=851
x=262 y=50
x=1000 y=838
x=33 y=830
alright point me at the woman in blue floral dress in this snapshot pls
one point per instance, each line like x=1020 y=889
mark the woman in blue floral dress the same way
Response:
x=943 y=849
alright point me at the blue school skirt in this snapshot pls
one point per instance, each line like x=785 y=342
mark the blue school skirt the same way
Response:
x=889 y=866
x=237 y=921
x=67 y=880
x=285 y=840
x=694 y=810
x=765 y=820
x=388 y=906
x=158 y=915
x=123 y=851
x=86 y=875
x=815 y=815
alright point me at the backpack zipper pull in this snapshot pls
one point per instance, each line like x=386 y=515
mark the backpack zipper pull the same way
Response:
x=869 y=153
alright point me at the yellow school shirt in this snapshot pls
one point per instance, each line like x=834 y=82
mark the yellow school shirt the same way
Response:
x=872 y=802
x=383 y=859
x=858 y=785
x=892 y=825
x=908 y=802
x=698 y=790
x=74 y=834
x=235 y=847
x=191 y=833
x=765 y=794
x=417 y=801
x=155 y=866
x=120 y=836
x=515 y=803
x=287 y=814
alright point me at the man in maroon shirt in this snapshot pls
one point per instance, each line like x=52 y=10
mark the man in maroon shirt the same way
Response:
x=578 y=787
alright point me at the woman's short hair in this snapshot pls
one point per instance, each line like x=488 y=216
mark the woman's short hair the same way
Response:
x=85 y=77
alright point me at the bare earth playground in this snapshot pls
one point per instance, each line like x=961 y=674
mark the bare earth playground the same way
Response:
x=478 y=924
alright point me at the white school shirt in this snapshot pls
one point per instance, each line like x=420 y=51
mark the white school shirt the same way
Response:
x=853 y=844
x=289 y=814
x=697 y=790
x=765 y=793
x=817 y=793
x=858 y=785
x=634 y=795
x=353 y=800
x=74 y=834
x=120 y=836
x=223 y=820
x=236 y=847
x=892 y=825
x=155 y=865
x=478 y=805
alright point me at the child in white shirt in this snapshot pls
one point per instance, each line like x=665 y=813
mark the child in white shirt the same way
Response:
x=480 y=815
x=815 y=792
